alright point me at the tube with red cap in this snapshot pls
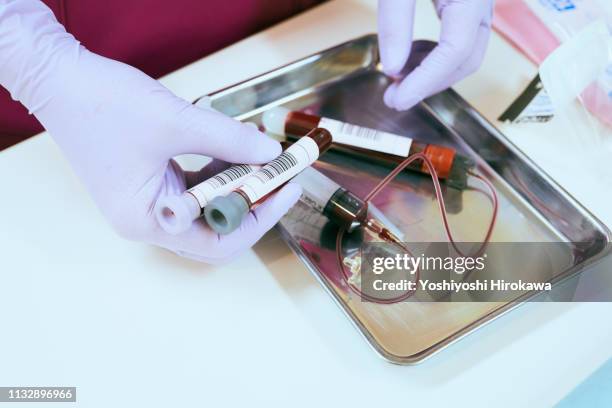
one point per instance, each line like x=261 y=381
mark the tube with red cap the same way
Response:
x=371 y=143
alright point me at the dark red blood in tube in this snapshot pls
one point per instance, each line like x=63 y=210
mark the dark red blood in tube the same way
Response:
x=299 y=123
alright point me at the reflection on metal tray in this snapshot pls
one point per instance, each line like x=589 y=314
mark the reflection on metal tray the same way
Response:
x=346 y=83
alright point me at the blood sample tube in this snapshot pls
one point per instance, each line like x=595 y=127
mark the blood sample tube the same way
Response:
x=338 y=204
x=225 y=213
x=330 y=199
x=371 y=143
x=175 y=213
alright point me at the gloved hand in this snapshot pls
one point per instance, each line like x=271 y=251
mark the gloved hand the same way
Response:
x=120 y=129
x=466 y=26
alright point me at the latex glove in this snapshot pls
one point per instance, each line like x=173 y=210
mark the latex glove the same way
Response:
x=466 y=27
x=120 y=128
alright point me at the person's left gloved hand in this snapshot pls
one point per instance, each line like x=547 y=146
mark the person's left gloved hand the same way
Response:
x=120 y=129
x=466 y=27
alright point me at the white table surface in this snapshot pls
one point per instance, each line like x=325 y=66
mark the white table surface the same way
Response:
x=133 y=325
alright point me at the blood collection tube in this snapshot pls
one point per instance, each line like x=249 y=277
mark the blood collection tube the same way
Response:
x=371 y=143
x=330 y=199
x=225 y=213
x=338 y=204
x=175 y=213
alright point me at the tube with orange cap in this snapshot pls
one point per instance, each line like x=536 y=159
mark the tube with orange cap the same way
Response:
x=372 y=144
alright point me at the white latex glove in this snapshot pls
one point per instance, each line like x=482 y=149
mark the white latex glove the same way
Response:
x=120 y=129
x=466 y=28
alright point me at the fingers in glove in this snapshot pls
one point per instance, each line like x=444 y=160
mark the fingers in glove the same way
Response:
x=203 y=244
x=210 y=133
x=460 y=27
x=395 y=27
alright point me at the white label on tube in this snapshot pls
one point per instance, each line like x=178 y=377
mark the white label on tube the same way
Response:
x=280 y=170
x=366 y=138
x=222 y=184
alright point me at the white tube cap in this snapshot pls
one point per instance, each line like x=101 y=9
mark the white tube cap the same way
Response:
x=204 y=102
x=274 y=119
x=176 y=213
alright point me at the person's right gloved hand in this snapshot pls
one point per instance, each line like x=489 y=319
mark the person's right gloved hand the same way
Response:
x=120 y=129
x=465 y=31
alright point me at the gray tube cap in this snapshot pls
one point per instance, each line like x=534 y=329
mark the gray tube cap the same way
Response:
x=225 y=214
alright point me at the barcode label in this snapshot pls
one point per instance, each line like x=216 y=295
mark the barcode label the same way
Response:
x=292 y=161
x=276 y=167
x=362 y=132
x=366 y=138
x=222 y=184
x=232 y=174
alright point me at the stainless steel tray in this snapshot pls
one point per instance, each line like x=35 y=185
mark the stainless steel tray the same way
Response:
x=345 y=82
